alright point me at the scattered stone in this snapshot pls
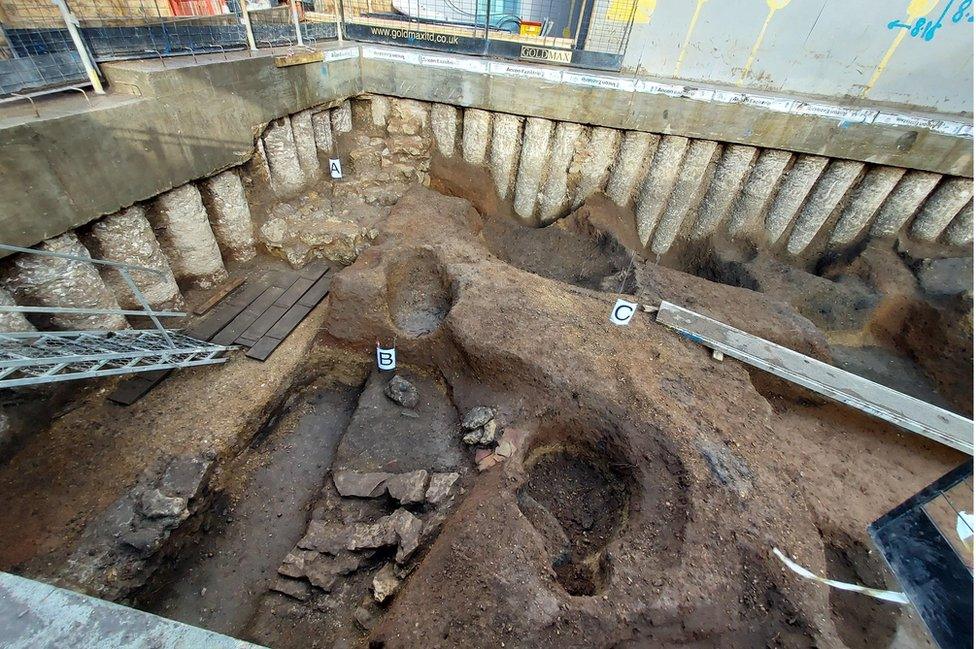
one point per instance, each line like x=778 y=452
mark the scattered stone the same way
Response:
x=440 y=487
x=488 y=432
x=473 y=437
x=385 y=583
x=345 y=563
x=941 y=277
x=360 y=485
x=489 y=462
x=363 y=618
x=505 y=448
x=408 y=488
x=321 y=574
x=481 y=454
x=477 y=417
x=295 y=562
x=155 y=504
x=370 y=536
x=145 y=540
x=300 y=590
x=408 y=528
x=325 y=537
x=403 y=392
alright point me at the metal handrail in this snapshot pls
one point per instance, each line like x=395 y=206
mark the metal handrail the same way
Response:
x=64 y=255
x=123 y=269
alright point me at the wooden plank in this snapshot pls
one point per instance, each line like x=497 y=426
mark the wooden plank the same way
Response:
x=226 y=311
x=132 y=389
x=262 y=349
x=877 y=400
x=318 y=291
x=263 y=322
x=294 y=292
x=246 y=318
x=315 y=269
x=219 y=295
x=287 y=323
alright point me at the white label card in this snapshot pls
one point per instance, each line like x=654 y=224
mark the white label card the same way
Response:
x=385 y=358
x=622 y=312
x=335 y=168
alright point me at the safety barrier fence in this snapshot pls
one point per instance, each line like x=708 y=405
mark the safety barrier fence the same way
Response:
x=57 y=43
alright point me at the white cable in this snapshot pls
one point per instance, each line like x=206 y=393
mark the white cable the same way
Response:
x=887 y=595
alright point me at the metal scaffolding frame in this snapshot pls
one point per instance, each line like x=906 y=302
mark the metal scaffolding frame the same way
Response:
x=33 y=357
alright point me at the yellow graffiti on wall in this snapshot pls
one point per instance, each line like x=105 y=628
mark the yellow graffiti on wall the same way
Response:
x=916 y=9
x=620 y=11
x=691 y=28
x=774 y=6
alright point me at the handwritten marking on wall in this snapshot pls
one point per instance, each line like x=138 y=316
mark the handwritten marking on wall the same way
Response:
x=774 y=6
x=916 y=10
x=691 y=28
x=926 y=29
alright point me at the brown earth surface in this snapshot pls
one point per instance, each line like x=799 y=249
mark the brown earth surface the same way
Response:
x=642 y=487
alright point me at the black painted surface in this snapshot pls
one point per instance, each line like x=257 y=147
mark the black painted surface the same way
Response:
x=937 y=582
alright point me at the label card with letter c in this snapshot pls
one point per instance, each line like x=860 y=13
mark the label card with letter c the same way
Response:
x=385 y=358
x=622 y=312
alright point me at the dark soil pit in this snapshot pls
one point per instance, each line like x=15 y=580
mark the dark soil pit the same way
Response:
x=578 y=504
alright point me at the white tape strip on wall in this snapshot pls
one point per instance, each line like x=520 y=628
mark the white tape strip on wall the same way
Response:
x=645 y=86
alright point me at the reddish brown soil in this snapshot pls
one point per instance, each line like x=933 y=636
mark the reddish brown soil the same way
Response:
x=648 y=483
x=715 y=474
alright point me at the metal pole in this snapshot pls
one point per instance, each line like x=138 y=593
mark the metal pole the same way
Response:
x=72 y=24
x=83 y=311
x=145 y=305
x=246 y=18
x=338 y=20
x=294 y=19
x=85 y=260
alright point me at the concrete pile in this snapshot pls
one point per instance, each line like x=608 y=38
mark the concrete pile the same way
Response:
x=127 y=237
x=37 y=280
x=184 y=233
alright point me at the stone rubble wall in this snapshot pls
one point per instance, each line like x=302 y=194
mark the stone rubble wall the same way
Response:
x=230 y=216
x=36 y=280
x=184 y=232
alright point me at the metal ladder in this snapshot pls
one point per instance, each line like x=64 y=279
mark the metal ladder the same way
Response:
x=33 y=357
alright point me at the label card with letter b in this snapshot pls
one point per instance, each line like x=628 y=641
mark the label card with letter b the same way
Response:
x=335 y=168
x=385 y=358
x=622 y=312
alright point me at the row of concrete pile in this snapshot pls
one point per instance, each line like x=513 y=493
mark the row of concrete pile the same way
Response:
x=684 y=188
x=186 y=233
x=292 y=148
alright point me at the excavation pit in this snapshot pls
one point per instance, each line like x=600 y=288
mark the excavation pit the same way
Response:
x=657 y=530
x=578 y=506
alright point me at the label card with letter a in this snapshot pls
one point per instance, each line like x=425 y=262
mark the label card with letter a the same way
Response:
x=385 y=358
x=622 y=312
x=335 y=168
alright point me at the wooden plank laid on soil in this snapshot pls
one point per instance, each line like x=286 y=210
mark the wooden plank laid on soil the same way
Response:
x=877 y=400
x=263 y=348
x=222 y=291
